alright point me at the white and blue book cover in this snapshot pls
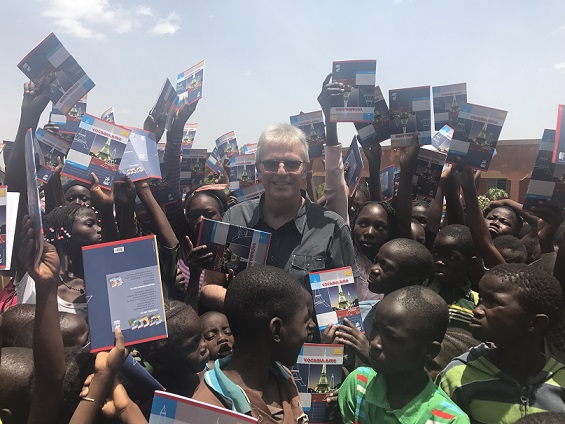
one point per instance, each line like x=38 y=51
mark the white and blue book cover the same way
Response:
x=50 y=148
x=98 y=147
x=33 y=200
x=387 y=182
x=335 y=297
x=108 y=115
x=250 y=192
x=188 y=135
x=548 y=179
x=475 y=135
x=379 y=130
x=447 y=103
x=249 y=149
x=429 y=166
x=312 y=124
x=68 y=124
x=166 y=104
x=50 y=59
x=353 y=163
x=169 y=408
x=410 y=112
x=140 y=160
x=358 y=78
x=233 y=247
x=442 y=139
x=242 y=171
x=318 y=370
x=559 y=146
x=227 y=146
x=9 y=230
x=213 y=164
x=189 y=84
x=123 y=287
x=192 y=166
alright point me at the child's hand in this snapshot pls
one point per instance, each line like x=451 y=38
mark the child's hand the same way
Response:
x=332 y=406
x=195 y=257
x=351 y=336
x=463 y=176
x=98 y=196
x=111 y=362
x=328 y=335
x=49 y=265
x=36 y=98
x=125 y=193
x=409 y=155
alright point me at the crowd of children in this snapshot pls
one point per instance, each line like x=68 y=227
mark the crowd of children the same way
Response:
x=463 y=315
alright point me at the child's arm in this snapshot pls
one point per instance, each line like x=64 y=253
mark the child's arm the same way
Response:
x=550 y=218
x=163 y=230
x=54 y=196
x=195 y=258
x=481 y=237
x=125 y=209
x=403 y=201
x=103 y=202
x=48 y=351
x=373 y=154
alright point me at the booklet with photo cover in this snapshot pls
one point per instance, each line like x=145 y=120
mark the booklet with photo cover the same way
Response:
x=123 y=287
x=68 y=124
x=193 y=166
x=442 y=139
x=358 y=78
x=353 y=162
x=50 y=147
x=165 y=105
x=429 y=167
x=410 y=112
x=33 y=201
x=387 y=182
x=318 y=370
x=227 y=146
x=548 y=179
x=189 y=84
x=233 y=247
x=249 y=149
x=447 y=103
x=475 y=135
x=335 y=297
x=559 y=143
x=213 y=163
x=169 y=408
x=49 y=59
x=188 y=135
x=242 y=171
x=108 y=115
x=379 y=130
x=250 y=192
x=98 y=147
x=312 y=123
x=140 y=160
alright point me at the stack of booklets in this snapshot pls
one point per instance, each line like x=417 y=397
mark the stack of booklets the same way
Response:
x=68 y=124
x=98 y=147
x=33 y=201
x=108 y=115
x=335 y=297
x=353 y=163
x=8 y=217
x=379 y=129
x=548 y=179
x=123 y=288
x=429 y=167
x=312 y=124
x=169 y=408
x=165 y=105
x=410 y=112
x=49 y=59
x=442 y=139
x=317 y=371
x=242 y=171
x=189 y=84
x=559 y=146
x=140 y=160
x=193 y=166
x=387 y=182
x=49 y=147
x=447 y=103
x=188 y=135
x=233 y=247
x=227 y=146
x=358 y=78
x=475 y=135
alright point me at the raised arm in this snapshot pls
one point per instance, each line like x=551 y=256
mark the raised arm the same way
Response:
x=373 y=154
x=103 y=202
x=125 y=209
x=403 y=201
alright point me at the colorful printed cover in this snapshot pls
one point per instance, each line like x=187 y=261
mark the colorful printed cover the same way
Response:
x=123 y=287
x=312 y=124
x=429 y=166
x=410 y=111
x=169 y=408
x=353 y=162
x=98 y=147
x=356 y=104
x=165 y=105
x=140 y=160
x=50 y=59
x=249 y=149
x=188 y=135
x=33 y=201
x=50 y=148
x=475 y=135
x=316 y=372
x=442 y=139
x=213 y=164
x=548 y=179
x=250 y=192
x=189 y=84
x=242 y=171
x=227 y=146
x=447 y=103
x=234 y=247
x=335 y=297
x=379 y=129
x=193 y=166
x=387 y=182
x=68 y=124
x=108 y=115
x=559 y=145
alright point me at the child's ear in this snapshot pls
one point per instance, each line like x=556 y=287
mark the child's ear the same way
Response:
x=433 y=350
x=539 y=324
x=275 y=329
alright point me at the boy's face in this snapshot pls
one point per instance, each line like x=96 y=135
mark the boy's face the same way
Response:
x=192 y=350
x=501 y=221
x=396 y=345
x=498 y=317
x=217 y=335
x=450 y=265
x=386 y=274
x=371 y=230
x=295 y=332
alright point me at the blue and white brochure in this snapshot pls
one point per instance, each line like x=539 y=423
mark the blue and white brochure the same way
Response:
x=50 y=147
x=353 y=162
x=140 y=160
x=108 y=115
x=447 y=103
x=387 y=182
x=98 y=147
x=475 y=135
x=358 y=78
x=68 y=124
x=193 y=166
x=242 y=171
x=165 y=105
x=429 y=166
x=410 y=112
x=50 y=59
x=189 y=84
x=250 y=192
x=442 y=139
x=188 y=135
x=227 y=146
x=213 y=163
x=379 y=130
x=312 y=124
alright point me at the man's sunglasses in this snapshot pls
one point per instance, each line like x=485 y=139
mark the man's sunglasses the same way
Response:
x=289 y=165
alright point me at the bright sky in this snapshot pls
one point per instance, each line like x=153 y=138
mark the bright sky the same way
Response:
x=266 y=60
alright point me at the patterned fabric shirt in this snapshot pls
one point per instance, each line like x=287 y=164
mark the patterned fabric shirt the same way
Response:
x=363 y=399
x=461 y=302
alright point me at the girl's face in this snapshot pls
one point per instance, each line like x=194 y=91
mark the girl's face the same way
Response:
x=201 y=205
x=371 y=230
x=86 y=230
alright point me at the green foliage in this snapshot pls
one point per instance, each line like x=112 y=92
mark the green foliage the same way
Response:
x=496 y=194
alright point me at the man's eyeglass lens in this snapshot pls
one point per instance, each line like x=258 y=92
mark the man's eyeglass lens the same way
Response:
x=289 y=165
